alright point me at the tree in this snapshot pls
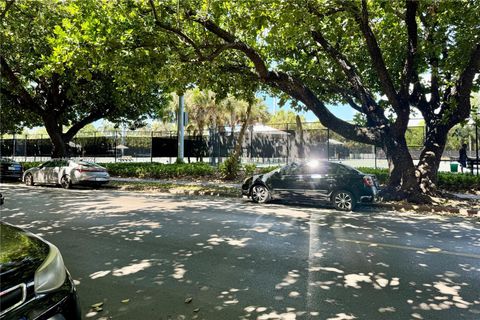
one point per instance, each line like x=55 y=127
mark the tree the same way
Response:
x=376 y=56
x=72 y=63
x=283 y=117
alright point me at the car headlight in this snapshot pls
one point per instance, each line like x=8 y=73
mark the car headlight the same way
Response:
x=52 y=273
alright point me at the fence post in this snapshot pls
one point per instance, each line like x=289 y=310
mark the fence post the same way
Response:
x=375 y=155
x=476 y=145
x=25 y=147
x=151 y=146
x=115 y=145
x=14 y=147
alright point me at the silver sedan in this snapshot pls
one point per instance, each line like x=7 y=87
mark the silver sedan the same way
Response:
x=66 y=173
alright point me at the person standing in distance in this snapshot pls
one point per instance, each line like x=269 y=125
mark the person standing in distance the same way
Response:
x=463 y=156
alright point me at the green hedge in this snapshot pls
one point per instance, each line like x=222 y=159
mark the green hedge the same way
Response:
x=446 y=180
x=159 y=170
x=28 y=165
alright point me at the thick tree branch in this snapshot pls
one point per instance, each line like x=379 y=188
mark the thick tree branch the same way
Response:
x=463 y=87
x=175 y=31
x=369 y=106
x=234 y=43
x=297 y=90
x=93 y=116
x=411 y=22
x=26 y=98
x=376 y=54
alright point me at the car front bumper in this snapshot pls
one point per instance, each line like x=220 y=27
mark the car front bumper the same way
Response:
x=61 y=304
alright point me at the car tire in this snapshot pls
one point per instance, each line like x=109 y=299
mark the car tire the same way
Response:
x=343 y=200
x=29 y=180
x=66 y=182
x=260 y=194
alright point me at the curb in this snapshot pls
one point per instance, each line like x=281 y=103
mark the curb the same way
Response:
x=428 y=209
x=388 y=206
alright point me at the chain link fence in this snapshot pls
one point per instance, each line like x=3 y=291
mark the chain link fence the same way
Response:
x=262 y=145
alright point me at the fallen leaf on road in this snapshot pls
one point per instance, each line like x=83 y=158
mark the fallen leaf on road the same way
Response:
x=188 y=300
x=196 y=310
x=434 y=250
x=97 y=305
x=126 y=301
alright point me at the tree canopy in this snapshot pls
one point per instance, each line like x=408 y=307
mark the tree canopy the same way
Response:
x=71 y=63
x=383 y=58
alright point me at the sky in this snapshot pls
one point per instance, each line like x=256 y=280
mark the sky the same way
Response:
x=343 y=112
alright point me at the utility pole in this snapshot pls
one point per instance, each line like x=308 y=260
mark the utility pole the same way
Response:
x=181 y=127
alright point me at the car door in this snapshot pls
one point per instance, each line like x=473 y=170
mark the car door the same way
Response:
x=41 y=175
x=49 y=172
x=336 y=177
x=57 y=171
x=317 y=179
x=289 y=183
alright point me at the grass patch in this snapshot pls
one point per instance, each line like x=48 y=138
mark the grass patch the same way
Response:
x=175 y=188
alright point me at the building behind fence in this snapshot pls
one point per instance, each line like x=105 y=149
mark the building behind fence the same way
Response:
x=276 y=144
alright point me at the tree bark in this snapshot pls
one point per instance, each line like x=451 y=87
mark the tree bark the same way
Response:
x=402 y=183
x=430 y=158
x=55 y=132
x=238 y=146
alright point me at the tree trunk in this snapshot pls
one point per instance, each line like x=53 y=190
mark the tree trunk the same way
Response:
x=430 y=158
x=299 y=139
x=56 y=135
x=238 y=146
x=403 y=183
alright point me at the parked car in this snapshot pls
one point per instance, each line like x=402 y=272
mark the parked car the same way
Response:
x=318 y=181
x=34 y=282
x=66 y=173
x=10 y=169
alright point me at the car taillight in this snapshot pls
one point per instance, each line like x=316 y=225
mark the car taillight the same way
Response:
x=368 y=181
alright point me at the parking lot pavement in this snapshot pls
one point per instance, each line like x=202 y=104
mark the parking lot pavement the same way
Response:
x=159 y=256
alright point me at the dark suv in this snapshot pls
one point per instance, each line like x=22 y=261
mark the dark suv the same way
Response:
x=314 y=180
x=34 y=283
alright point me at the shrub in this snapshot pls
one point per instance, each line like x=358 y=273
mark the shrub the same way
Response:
x=229 y=168
x=249 y=169
x=446 y=180
x=381 y=174
x=159 y=170
x=28 y=165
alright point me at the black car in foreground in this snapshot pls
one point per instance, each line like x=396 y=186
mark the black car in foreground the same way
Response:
x=10 y=169
x=34 y=283
x=318 y=181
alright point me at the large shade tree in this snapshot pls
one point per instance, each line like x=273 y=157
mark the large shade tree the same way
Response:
x=383 y=58
x=65 y=64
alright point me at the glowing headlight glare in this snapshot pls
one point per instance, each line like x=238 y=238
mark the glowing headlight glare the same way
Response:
x=51 y=274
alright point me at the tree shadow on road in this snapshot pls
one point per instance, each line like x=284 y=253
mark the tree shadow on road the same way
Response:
x=235 y=259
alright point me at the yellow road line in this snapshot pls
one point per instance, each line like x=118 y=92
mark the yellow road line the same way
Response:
x=426 y=250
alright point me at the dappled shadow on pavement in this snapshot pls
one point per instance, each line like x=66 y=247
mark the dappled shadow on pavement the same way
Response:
x=238 y=260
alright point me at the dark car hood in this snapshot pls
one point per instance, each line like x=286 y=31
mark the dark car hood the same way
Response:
x=21 y=253
x=264 y=177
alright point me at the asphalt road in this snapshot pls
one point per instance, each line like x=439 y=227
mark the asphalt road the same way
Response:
x=143 y=255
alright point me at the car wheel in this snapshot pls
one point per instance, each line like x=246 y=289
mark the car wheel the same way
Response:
x=260 y=193
x=66 y=182
x=343 y=200
x=29 y=179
